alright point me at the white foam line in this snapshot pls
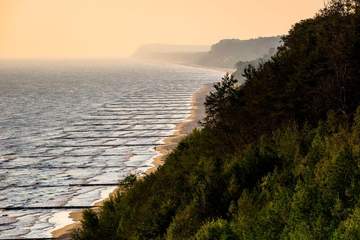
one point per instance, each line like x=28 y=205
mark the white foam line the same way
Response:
x=60 y=220
x=104 y=194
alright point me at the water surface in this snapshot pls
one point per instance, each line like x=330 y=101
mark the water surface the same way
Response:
x=70 y=131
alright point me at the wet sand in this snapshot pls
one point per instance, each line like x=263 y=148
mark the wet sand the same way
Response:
x=181 y=130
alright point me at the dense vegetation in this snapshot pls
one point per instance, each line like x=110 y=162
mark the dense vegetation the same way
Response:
x=278 y=156
x=241 y=65
x=227 y=52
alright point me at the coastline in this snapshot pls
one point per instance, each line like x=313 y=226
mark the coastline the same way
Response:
x=185 y=64
x=184 y=128
x=181 y=130
x=221 y=69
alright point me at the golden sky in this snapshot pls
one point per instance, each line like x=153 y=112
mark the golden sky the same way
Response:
x=115 y=28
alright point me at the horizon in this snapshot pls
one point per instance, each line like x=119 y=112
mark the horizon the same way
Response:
x=180 y=119
x=126 y=57
x=90 y=29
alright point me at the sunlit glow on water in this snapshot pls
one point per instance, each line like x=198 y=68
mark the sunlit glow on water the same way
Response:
x=70 y=132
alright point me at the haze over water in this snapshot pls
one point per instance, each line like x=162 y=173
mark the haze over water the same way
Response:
x=70 y=131
x=113 y=28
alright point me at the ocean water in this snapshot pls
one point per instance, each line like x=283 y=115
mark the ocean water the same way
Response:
x=70 y=131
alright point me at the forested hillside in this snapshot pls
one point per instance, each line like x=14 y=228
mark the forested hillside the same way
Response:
x=227 y=52
x=241 y=66
x=278 y=156
x=224 y=54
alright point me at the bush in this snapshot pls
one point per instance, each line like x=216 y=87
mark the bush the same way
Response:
x=215 y=230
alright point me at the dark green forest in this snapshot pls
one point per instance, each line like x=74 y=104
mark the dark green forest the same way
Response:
x=278 y=156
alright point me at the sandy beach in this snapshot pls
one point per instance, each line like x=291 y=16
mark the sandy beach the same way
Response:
x=182 y=129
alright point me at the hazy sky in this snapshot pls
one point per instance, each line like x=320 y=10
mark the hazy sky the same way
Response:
x=115 y=28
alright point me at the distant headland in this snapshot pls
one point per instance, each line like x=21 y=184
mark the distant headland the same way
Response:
x=227 y=53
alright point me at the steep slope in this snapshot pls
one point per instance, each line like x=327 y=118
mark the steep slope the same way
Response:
x=278 y=157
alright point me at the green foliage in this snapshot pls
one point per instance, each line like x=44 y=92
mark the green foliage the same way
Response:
x=90 y=222
x=297 y=183
x=350 y=228
x=215 y=230
x=278 y=157
x=129 y=181
x=316 y=70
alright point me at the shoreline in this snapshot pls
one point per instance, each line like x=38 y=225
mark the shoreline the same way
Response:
x=185 y=64
x=184 y=128
x=181 y=130
x=220 y=69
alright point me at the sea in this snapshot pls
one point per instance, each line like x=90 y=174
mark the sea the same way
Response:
x=70 y=131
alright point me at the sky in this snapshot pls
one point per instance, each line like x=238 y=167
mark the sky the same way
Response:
x=116 y=28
